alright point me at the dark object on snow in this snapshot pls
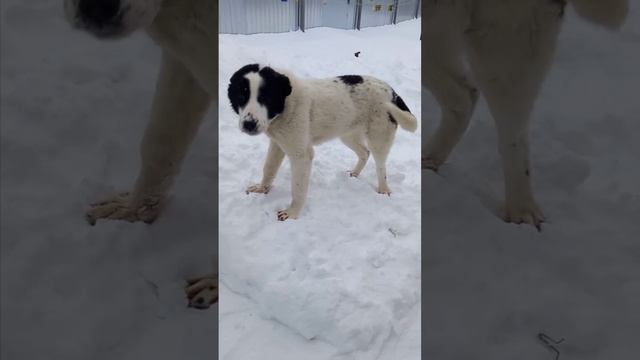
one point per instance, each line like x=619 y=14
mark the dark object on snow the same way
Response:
x=357 y=54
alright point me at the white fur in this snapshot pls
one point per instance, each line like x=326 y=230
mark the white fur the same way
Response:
x=186 y=31
x=318 y=110
x=509 y=46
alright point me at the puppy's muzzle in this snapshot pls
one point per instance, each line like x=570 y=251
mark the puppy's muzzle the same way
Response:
x=250 y=125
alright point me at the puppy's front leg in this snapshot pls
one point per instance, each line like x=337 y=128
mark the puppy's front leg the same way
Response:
x=275 y=155
x=179 y=106
x=300 y=171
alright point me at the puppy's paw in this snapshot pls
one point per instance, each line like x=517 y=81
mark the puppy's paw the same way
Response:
x=118 y=207
x=523 y=213
x=202 y=292
x=384 y=190
x=287 y=214
x=259 y=189
x=283 y=215
x=354 y=173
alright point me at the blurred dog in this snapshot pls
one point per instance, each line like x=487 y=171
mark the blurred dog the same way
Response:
x=508 y=46
x=186 y=31
x=297 y=114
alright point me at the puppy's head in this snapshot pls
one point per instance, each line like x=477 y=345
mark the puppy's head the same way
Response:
x=258 y=96
x=111 y=18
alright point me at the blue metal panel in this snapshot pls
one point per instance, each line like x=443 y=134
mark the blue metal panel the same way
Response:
x=257 y=16
x=330 y=13
x=407 y=10
x=376 y=13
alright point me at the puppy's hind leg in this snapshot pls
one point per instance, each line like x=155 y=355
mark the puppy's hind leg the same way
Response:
x=445 y=76
x=178 y=108
x=380 y=138
x=510 y=67
x=356 y=143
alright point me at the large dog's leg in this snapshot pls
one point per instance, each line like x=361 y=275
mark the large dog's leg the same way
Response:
x=445 y=76
x=275 y=155
x=355 y=142
x=300 y=171
x=178 y=108
x=510 y=66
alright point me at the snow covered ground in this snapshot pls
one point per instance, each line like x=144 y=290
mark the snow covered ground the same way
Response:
x=490 y=287
x=342 y=281
x=73 y=112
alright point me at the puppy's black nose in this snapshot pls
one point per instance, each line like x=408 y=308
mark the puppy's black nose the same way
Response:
x=99 y=12
x=250 y=126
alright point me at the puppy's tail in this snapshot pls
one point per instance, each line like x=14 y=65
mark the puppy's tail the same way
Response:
x=400 y=113
x=608 y=13
x=404 y=118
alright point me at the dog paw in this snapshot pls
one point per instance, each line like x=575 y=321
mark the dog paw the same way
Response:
x=528 y=213
x=429 y=163
x=202 y=292
x=384 y=191
x=258 y=188
x=118 y=207
x=283 y=215
x=286 y=214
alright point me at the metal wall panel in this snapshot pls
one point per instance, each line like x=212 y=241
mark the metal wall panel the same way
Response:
x=257 y=16
x=329 y=13
x=260 y=16
x=370 y=17
x=313 y=13
x=407 y=10
x=231 y=17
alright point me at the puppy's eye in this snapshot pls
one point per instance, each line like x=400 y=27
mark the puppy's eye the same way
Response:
x=245 y=89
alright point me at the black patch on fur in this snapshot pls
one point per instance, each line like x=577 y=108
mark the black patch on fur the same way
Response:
x=238 y=90
x=397 y=101
x=351 y=80
x=274 y=90
x=392 y=119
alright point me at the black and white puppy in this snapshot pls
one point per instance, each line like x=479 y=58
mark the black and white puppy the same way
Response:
x=296 y=114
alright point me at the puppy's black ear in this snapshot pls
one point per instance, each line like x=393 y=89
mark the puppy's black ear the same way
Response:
x=275 y=89
x=238 y=90
x=278 y=83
